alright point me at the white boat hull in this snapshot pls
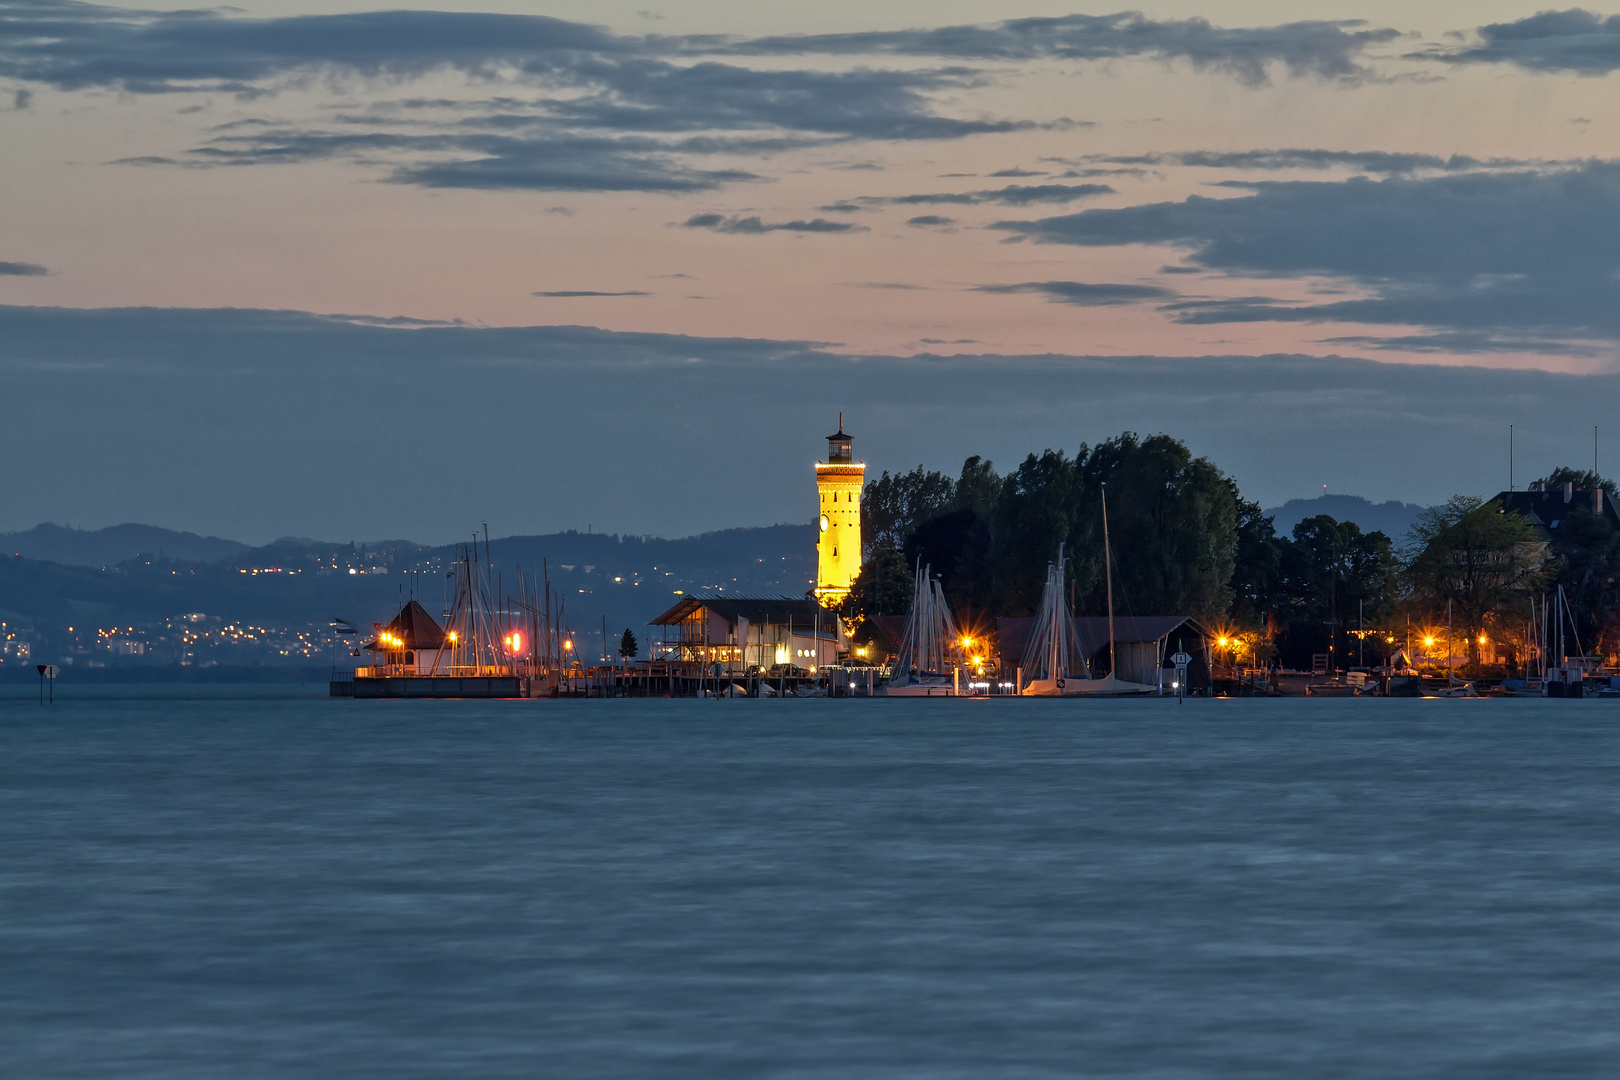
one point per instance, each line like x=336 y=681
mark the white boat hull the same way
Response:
x=926 y=688
x=1107 y=686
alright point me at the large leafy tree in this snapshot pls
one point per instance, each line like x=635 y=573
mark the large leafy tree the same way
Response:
x=1331 y=574
x=1172 y=520
x=893 y=505
x=1035 y=513
x=1256 y=563
x=1582 y=479
x=1476 y=557
x=883 y=587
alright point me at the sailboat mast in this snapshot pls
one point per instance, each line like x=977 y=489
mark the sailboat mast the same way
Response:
x=1059 y=659
x=1108 y=573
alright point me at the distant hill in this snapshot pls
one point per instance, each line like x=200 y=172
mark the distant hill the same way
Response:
x=53 y=578
x=114 y=544
x=1394 y=519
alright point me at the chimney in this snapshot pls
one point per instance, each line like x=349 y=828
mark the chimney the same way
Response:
x=1597 y=501
x=1569 y=490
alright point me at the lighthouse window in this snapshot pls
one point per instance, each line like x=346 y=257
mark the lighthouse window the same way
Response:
x=835 y=496
x=835 y=552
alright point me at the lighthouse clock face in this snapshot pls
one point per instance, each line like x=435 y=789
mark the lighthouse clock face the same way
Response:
x=823 y=522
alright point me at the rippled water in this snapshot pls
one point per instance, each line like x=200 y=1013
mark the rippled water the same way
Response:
x=267 y=886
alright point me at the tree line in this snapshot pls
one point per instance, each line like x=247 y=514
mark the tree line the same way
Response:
x=1186 y=542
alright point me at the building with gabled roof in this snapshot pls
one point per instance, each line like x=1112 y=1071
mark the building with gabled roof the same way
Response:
x=743 y=632
x=1547 y=510
x=1143 y=644
x=410 y=643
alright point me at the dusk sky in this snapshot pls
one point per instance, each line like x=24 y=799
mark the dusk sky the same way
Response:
x=318 y=269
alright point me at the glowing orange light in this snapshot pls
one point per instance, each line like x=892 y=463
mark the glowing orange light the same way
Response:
x=569 y=643
x=1482 y=639
x=515 y=642
x=967 y=643
x=1428 y=641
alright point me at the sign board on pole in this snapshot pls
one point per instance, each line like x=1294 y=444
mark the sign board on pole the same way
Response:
x=1181 y=659
x=47 y=671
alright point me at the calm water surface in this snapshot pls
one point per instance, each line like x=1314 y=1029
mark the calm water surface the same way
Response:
x=261 y=885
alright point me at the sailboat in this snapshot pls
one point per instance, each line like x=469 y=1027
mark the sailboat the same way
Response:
x=929 y=661
x=1049 y=658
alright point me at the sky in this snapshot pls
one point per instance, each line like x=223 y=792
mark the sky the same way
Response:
x=332 y=270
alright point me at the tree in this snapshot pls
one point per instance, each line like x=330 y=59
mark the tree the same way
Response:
x=1172 y=520
x=883 y=587
x=1256 y=563
x=1173 y=524
x=891 y=506
x=1477 y=557
x=1586 y=562
x=1583 y=479
x=978 y=487
x=1331 y=572
x=1034 y=513
x=628 y=646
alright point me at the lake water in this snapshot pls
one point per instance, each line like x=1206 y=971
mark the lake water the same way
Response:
x=256 y=884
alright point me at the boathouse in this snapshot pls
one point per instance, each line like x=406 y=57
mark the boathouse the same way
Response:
x=744 y=633
x=1143 y=645
x=409 y=645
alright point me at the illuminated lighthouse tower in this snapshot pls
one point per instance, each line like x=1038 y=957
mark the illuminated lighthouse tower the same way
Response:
x=838 y=544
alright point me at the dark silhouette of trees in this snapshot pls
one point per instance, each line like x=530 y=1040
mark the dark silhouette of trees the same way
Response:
x=893 y=505
x=1478 y=558
x=1331 y=573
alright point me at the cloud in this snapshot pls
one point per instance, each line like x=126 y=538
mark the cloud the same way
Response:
x=539 y=161
x=1574 y=40
x=1083 y=294
x=23 y=98
x=1016 y=173
x=1523 y=255
x=1021 y=195
x=1012 y=195
x=1328 y=50
x=270 y=393
x=614 y=112
x=753 y=225
x=1371 y=161
x=928 y=221
x=568 y=293
x=22 y=269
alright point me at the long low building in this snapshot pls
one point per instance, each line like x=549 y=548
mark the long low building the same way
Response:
x=742 y=632
x=1143 y=644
